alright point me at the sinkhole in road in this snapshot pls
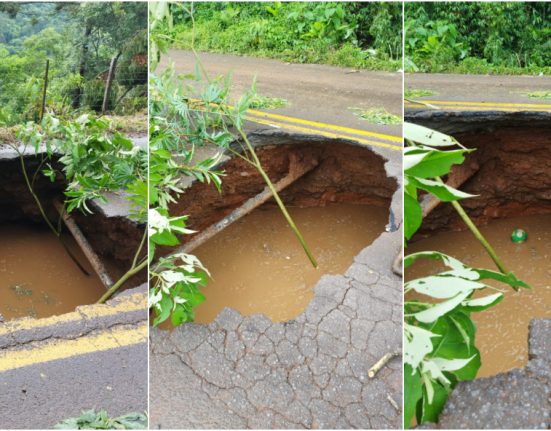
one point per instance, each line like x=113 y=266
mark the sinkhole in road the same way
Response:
x=38 y=276
x=341 y=205
x=510 y=172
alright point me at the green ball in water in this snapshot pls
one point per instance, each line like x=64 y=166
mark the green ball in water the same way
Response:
x=518 y=236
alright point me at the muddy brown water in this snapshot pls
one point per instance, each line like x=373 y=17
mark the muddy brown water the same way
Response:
x=258 y=266
x=502 y=331
x=37 y=276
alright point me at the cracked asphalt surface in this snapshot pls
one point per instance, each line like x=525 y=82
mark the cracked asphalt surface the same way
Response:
x=309 y=372
x=95 y=357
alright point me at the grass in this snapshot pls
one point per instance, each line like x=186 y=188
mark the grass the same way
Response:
x=475 y=66
x=264 y=102
x=539 y=94
x=240 y=41
x=412 y=93
x=130 y=123
x=90 y=419
x=376 y=116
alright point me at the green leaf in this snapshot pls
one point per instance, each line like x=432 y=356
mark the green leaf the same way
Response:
x=442 y=191
x=425 y=136
x=452 y=345
x=484 y=303
x=430 y=411
x=164 y=310
x=413 y=216
x=418 y=344
x=509 y=278
x=412 y=393
x=165 y=238
x=439 y=286
x=433 y=313
x=436 y=163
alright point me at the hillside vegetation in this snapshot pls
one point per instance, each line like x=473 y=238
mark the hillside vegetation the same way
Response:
x=348 y=34
x=478 y=37
x=79 y=40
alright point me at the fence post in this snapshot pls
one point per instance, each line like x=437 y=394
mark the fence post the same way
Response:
x=45 y=87
x=110 y=78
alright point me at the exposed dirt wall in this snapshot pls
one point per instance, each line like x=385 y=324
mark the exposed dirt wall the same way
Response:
x=512 y=166
x=115 y=238
x=345 y=173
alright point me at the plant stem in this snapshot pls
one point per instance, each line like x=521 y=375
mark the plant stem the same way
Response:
x=278 y=200
x=35 y=197
x=136 y=256
x=477 y=233
x=130 y=273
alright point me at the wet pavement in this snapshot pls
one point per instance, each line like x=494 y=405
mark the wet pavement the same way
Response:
x=509 y=92
x=94 y=357
x=314 y=92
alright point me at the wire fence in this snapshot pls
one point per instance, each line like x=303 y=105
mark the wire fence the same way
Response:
x=54 y=86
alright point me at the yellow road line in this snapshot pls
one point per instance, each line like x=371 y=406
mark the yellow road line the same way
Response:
x=481 y=108
x=516 y=106
x=63 y=349
x=134 y=302
x=328 y=134
x=453 y=102
x=325 y=125
x=317 y=124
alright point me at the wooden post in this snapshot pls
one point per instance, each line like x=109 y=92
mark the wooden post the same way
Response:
x=110 y=78
x=85 y=246
x=44 y=91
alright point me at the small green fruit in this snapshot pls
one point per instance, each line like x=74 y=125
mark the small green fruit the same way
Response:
x=518 y=236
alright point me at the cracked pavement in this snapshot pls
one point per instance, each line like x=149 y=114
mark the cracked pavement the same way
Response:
x=94 y=357
x=309 y=372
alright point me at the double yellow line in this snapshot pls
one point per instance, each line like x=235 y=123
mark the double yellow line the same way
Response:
x=480 y=106
x=54 y=349
x=328 y=130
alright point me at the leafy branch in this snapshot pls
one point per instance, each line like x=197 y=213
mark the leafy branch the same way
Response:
x=187 y=112
x=95 y=161
x=439 y=337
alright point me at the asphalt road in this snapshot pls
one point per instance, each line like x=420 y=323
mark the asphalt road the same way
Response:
x=480 y=92
x=94 y=358
x=314 y=92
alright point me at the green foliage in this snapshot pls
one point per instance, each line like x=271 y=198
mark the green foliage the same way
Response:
x=265 y=102
x=95 y=159
x=59 y=32
x=478 y=37
x=176 y=127
x=90 y=419
x=439 y=347
x=186 y=112
x=414 y=93
x=539 y=94
x=366 y=35
x=376 y=116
